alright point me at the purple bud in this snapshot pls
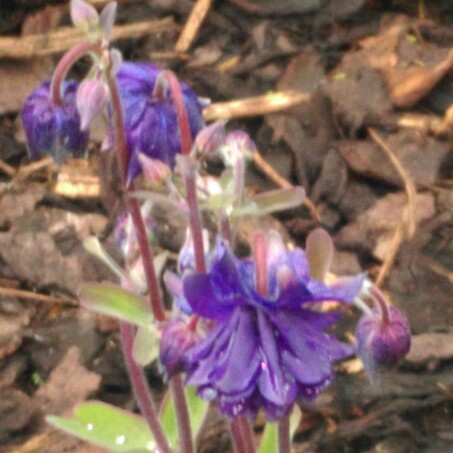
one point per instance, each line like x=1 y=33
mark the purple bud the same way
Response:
x=83 y=14
x=177 y=337
x=91 y=99
x=51 y=128
x=381 y=344
x=154 y=170
x=210 y=138
x=238 y=145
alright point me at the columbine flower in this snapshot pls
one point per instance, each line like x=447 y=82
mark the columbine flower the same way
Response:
x=263 y=351
x=151 y=122
x=53 y=128
x=382 y=339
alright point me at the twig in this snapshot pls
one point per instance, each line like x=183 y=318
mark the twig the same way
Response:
x=7 y=169
x=193 y=24
x=27 y=170
x=269 y=171
x=66 y=37
x=407 y=226
x=255 y=106
x=409 y=185
x=30 y=295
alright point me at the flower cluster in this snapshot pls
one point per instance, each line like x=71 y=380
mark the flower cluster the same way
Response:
x=54 y=126
x=263 y=351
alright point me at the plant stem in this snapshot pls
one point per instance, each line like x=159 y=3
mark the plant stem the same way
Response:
x=379 y=298
x=65 y=64
x=284 y=437
x=260 y=259
x=183 y=419
x=140 y=388
x=241 y=434
x=189 y=174
x=132 y=204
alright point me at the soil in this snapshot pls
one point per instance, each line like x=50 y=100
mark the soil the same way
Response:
x=371 y=142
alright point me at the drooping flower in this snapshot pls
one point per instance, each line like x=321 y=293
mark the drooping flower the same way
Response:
x=52 y=128
x=263 y=351
x=150 y=116
x=382 y=340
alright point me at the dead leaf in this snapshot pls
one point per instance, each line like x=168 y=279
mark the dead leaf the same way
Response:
x=421 y=156
x=374 y=228
x=430 y=346
x=68 y=384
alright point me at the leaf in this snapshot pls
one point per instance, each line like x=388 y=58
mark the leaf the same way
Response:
x=269 y=441
x=197 y=410
x=145 y=348
x=112 y=300
x=272 y=201
x=108 y=427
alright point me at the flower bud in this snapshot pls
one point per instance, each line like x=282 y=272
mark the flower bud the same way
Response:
x=91 y=99
x=154 y=170
x=107 y=19
x=210 y=138
x=83 y=15
x=238 y=145
x=177 y=337
x=381 y=344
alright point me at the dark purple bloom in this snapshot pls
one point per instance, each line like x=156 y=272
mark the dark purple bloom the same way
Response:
x=53 y=129
x=177 y=337
x=151 y=123
x=382 y=344
x=263 y=352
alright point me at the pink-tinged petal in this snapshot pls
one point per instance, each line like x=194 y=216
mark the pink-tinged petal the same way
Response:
x=82 y=13
x=107 y=19
x=91 y=99
x=319 y=252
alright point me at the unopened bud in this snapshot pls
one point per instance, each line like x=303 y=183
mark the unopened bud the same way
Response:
x=83 y=15
x=381 y=344
x=91 y=99
x=210 y=138
x=177 y=338
x=107 y=19
x=154 y=170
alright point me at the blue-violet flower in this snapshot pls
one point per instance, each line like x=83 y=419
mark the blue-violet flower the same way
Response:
x=263 y=351
x=51 y=128
x=151 y=122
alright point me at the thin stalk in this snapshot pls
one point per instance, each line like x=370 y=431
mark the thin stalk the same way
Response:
x=260 y=259
x=241 y=434
x=189 y=175
x=140 y=388
x=183 y=419
x=284 y=437
x=379 y=298
x=132 y=204
x=65 y=64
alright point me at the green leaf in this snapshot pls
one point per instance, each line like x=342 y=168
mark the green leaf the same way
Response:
x=272 y=201
x=108 y=427
x=112 y=300
x=146 y=347
x=270 y=438
x=197 y=411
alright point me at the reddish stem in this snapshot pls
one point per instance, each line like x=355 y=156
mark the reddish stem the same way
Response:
x=65 y=64
x=132 y=204
x=181 y=112
x=284 y=437
x=382 y=304
x=140 y=388
x=182 y=411
x=189 y=175
x=260 y=259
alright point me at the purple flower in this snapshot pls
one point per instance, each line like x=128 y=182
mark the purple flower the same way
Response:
x=151 y=123
x=53 y=129
x=381 y=344
x=263 y=352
